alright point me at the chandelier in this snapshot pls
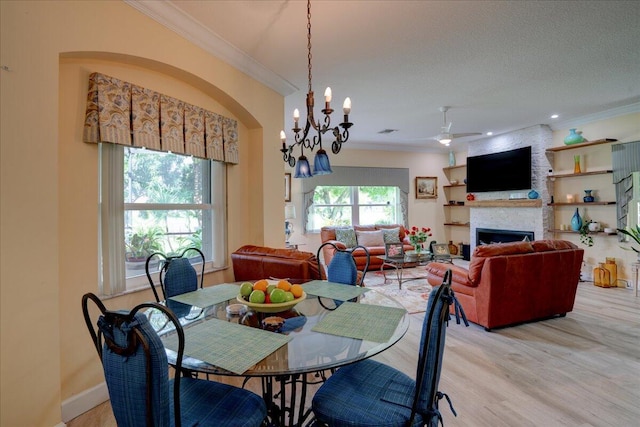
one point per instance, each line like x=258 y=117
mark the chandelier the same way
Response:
x=309 y=142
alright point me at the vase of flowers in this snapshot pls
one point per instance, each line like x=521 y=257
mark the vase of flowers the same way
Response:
x=417 y=236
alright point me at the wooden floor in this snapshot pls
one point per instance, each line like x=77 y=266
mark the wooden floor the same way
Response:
x=580 y=370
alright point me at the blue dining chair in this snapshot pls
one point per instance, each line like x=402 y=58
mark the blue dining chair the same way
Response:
x=136 y=372
x=369 y=393
x=342 y=268
x=177 y=275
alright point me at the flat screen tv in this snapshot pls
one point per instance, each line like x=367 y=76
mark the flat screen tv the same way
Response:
x=504 y=171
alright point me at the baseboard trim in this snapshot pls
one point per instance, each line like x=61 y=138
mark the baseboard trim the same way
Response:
x=84 y=401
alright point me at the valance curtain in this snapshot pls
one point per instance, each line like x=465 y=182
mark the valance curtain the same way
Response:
x=358 y=176
x=119 y=112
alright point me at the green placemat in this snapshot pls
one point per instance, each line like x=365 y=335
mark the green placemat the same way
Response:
x=338 y=291
x=362 y=321
x=230 y=346
x=209 y=296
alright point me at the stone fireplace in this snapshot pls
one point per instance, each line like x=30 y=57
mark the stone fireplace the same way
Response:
x=506 y=216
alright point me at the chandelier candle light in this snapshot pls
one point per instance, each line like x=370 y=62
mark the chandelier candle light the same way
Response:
x=304 y=140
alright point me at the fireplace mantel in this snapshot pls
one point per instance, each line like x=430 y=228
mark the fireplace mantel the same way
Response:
x=505 y=203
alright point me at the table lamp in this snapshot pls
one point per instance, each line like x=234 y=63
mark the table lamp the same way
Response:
x=289 y=214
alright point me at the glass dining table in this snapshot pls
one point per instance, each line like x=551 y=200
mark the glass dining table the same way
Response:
x=333 y=326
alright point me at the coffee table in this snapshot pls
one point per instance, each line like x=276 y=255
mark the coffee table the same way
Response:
x=399 y=264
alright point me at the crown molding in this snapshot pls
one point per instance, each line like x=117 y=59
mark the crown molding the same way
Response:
x=167 y=14
x=601 y=115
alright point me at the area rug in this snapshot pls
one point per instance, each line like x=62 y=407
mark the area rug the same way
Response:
x=414 y=293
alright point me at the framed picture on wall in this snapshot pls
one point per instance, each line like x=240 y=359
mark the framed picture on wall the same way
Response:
x=287 y=187
x=426 y=187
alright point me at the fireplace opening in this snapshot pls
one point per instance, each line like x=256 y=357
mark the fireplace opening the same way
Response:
x=485 y=236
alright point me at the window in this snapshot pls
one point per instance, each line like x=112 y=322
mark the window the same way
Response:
x=349 y=205
x=157 y=202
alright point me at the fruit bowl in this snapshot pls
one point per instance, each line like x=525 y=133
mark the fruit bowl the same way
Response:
x=272 y=307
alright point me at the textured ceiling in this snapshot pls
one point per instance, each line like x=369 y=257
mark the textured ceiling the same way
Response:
x=500 y=65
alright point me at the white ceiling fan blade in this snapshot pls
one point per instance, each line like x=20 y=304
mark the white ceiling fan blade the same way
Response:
x=462 y=135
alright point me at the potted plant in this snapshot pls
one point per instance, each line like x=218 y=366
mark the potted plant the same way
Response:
x=142 y=243
x=585 y=234
x=634 y=233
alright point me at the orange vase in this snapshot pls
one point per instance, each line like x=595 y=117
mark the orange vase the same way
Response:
x=610 y=265
x=576 y=164
x=601 y=276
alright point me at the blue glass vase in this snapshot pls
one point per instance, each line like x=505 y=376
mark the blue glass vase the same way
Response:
x=573 y=138
x=533 y=194
x=588 y=197
x=576 y=221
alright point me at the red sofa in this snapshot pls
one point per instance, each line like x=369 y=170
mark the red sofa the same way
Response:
x=328 y=234
x=258 y=262
x=511 y=283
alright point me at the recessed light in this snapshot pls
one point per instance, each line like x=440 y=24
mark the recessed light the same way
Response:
x=489 y=133
x=554 y=116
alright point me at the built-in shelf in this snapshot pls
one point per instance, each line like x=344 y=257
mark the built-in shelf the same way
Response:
x=584 y=144
x=568 y=175
x=454 y=185
x=580 y=203
x=555 y=230
x=458 y=205
x=454 y=167
x=505 y=203
x=457 y=224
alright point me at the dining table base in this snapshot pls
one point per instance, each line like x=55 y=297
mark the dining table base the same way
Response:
x=287 y=406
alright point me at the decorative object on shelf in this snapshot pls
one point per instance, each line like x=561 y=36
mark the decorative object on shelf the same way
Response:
x=585 y=235
x=453 y=249
x=573 y=138
x=588 y=197
x=576 y=164
x=533 y=194
x=576 y=221
x=454 y=182
x=452 y=158
x=593 y=226
x=321 y=162
x=465 y=181
x=417 y=236
x=570 y=198
x=289 y=214
x=471 y=197
x=634 y=233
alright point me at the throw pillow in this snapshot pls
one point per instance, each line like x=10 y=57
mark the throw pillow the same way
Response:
x=370 y=238
x=391 y=235
x=346 y=236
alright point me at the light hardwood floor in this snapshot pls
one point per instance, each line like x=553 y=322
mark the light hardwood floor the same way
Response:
x=580 y=370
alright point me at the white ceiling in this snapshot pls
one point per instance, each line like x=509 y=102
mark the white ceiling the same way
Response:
x=500 y=65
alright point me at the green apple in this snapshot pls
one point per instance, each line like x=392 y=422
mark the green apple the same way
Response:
x=257 y=297
x=277 y=296
x=270 y=288
x=246 y=288
x=288 y=296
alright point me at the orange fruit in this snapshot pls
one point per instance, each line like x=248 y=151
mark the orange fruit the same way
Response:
x=284 y=285
x=261 y=285
x=296 y=290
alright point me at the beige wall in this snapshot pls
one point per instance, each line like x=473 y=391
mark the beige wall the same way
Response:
x=49 y=180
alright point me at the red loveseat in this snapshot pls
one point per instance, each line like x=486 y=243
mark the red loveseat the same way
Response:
x=328 y=234
x=511 y=283
x=258 y=262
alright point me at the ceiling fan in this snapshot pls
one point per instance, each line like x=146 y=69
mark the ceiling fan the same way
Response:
x=445 y=136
